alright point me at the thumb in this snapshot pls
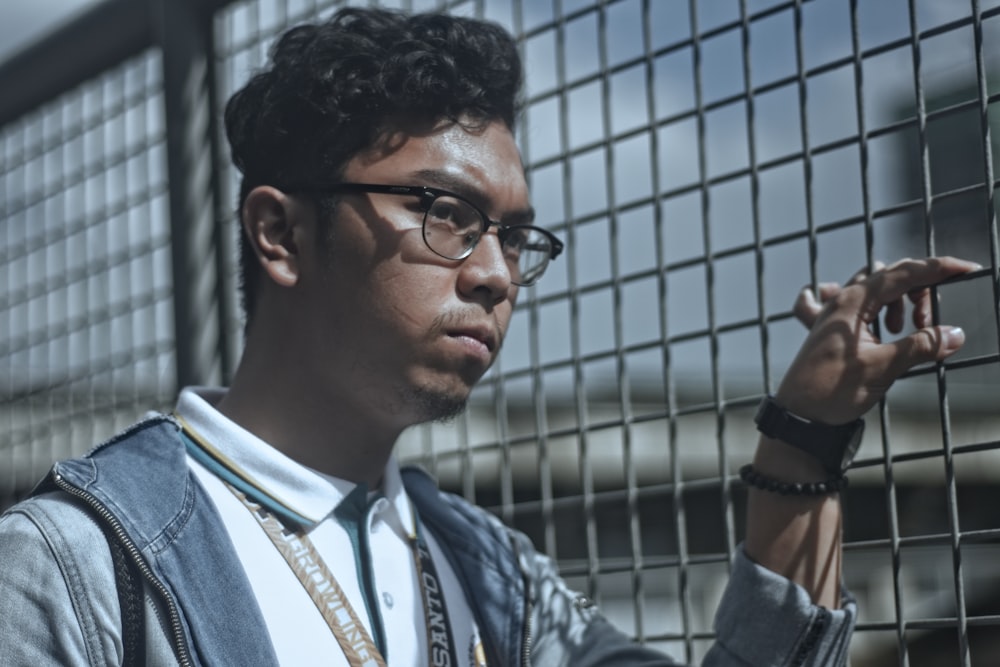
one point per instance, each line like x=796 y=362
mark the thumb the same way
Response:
x=807 y=306
x=928 y=344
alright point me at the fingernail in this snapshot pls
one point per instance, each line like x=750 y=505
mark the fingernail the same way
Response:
x=953 y=338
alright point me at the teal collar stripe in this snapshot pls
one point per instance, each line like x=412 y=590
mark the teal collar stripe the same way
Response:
x=259 y=495
x=352 y=513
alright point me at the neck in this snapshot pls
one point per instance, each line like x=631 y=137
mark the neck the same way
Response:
x=324 y=428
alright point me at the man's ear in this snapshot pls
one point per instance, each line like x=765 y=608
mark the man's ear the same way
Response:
x=272 y=222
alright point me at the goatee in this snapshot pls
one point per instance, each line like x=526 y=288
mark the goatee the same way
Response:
x=435 y=406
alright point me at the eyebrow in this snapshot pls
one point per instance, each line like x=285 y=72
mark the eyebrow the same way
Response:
x=440 y=179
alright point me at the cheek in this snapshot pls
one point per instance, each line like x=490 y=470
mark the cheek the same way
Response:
x=407 y=277
x=505 y=311
x=404 y=297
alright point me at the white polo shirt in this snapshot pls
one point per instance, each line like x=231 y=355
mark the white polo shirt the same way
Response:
x=297 y=630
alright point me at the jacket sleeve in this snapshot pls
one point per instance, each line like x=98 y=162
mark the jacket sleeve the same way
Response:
x=58 y=601
x=567 y=629
x=765 y=619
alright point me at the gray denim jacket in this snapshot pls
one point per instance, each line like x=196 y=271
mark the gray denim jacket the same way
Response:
x=59 y=603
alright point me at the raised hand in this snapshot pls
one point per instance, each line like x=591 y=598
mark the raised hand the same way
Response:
x=842 y=368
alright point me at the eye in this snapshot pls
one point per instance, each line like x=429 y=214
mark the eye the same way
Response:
x=456 y=213
x=516 y=238
x=514 y=243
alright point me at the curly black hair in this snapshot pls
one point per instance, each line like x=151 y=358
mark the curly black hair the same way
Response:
x=331 y=89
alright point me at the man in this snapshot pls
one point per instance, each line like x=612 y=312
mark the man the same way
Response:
x=387 y=229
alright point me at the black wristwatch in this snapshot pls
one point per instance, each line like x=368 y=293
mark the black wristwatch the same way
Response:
x=833 y=446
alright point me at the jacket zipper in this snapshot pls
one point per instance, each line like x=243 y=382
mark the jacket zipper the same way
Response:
x=526 y=646
x=528 y=607
x=180 y=644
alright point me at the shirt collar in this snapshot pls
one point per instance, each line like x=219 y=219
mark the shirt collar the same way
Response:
x=284 y=486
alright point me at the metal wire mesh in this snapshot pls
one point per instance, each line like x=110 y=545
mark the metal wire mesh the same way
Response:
x=85 y=310
x=703 y=161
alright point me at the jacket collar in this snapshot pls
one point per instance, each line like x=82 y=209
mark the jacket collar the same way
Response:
x=176 y=528
x=180 y=537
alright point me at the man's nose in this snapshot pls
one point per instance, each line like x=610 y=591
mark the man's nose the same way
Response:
x=486 y=271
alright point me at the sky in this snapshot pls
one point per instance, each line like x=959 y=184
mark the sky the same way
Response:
x=21 y=23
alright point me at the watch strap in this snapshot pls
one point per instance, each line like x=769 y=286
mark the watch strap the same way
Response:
x=833 y=446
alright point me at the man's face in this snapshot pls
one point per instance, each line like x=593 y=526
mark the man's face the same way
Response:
x=404 y=332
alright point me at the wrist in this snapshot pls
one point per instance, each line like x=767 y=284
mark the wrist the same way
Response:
x=784 y=462
x=822 y=408
x=756 y=479
x=831 y=447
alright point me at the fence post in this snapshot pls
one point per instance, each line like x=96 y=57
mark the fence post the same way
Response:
x=183 y=28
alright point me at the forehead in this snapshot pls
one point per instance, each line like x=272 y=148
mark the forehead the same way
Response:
x=480 y=160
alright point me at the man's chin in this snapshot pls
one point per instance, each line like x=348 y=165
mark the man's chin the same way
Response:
x=431 y=405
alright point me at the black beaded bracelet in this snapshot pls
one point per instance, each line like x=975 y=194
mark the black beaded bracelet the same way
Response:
x=753 y=478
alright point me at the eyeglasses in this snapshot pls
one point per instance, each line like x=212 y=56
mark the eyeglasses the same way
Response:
x=452 y=226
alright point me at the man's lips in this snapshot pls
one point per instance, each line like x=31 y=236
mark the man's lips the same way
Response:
x=483 y=335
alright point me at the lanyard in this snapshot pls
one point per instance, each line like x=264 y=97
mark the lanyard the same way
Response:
x=314 y=575
x=440 y=642
x=311 y=570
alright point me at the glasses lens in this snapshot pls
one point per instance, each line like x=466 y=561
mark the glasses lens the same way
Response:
x=527 y=250
x=452 y=227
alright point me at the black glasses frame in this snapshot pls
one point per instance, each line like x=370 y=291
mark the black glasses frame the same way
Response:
x=427 y=195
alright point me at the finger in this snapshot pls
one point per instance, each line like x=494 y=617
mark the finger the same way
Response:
x=922 y=313
x=807 y=307
x=862 y=274
x=895 y=315
x=906 y=275
x=828 y=290
x=928 y=344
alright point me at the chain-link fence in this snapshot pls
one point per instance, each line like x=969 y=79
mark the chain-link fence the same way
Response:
x=702 y=159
